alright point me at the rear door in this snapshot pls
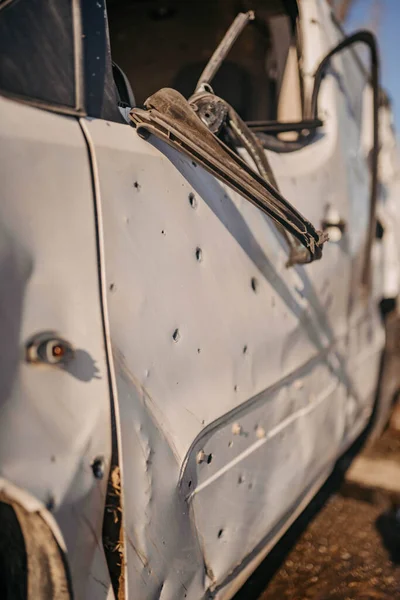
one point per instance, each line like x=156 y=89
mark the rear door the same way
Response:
x=349 y=75
x=340 y=155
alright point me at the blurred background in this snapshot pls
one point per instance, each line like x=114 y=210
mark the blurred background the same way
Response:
x=383 y=18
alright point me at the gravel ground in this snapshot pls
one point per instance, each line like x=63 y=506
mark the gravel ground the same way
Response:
x=345 y=546
x=343 y=555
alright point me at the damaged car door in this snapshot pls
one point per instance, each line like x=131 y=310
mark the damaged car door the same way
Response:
x=230 y=364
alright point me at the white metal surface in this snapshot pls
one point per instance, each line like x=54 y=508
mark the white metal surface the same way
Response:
x=227 y=371
x=389 y=207
x=238 y=378
x=53 y=422
x=238 y=381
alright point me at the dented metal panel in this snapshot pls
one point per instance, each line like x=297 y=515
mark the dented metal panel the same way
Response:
x=274 y=452
x=171 y=118
x=217 y=324
x=54 y=418
x=189 y=212
x=237 y=381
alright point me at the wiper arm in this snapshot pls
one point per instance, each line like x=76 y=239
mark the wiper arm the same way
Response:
x=170 y=117
x=222 y=50
x=219 y=117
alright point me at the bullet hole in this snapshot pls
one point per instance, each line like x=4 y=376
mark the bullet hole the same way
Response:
x=112 y=287
x=235 y=389
x=198 y=350
x=98 y=467
x=298 y=384
x=51 y=503
x=163 y=232
x=240 y=479
x=244 y=349
x=230 y=444
x=189 y=484
x=209 y=458
x=260 y=432
x=220 y=533
x=254 y=284
x=236 y=429
x=176 y=336
x=137 y=186
x=194 y=164
x=192 y=200
x=199 y=254
x=200 y=457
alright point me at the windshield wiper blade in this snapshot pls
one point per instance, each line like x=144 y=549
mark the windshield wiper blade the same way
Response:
x=168 y=116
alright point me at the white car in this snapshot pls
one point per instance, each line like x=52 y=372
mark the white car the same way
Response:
x=195 y=277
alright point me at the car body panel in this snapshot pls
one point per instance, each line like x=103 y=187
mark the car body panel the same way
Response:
x=225 y=383
x=54 y=422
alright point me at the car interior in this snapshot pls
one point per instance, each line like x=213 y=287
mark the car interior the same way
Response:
x=167 y=43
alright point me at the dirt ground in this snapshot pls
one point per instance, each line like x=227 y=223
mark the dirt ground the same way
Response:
x=346 y=546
